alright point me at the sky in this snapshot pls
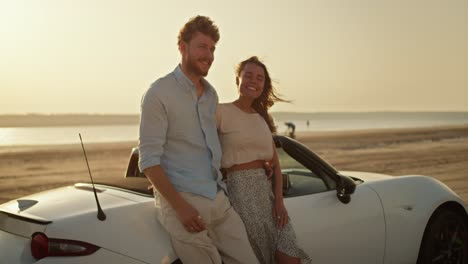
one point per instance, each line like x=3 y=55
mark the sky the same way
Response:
x=100 y=56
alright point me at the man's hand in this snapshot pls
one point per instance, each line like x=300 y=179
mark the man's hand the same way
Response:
x=190 y=218
x=269 y=168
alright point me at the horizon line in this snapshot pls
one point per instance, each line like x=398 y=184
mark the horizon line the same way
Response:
x=272 y=112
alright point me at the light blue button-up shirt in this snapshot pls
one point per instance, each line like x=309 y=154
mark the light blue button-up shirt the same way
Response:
x=178 y=132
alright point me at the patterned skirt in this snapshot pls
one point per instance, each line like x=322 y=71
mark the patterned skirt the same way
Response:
x=251 y=195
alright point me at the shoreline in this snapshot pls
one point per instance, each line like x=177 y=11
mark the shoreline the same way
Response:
x=64 y=120
x=96 y=119
x=299 y=134
x=439 y=152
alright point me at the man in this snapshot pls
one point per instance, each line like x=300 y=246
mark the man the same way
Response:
x=180 y=155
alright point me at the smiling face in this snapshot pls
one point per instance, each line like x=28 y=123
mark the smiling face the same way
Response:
x=251 y=81
x=198 y=54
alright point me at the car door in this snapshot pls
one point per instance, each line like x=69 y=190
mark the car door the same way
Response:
x=333 y=232
x=329 y=230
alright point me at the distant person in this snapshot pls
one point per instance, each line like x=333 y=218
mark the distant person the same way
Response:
x=307 y=123
x=291 y=129
x=180 y=154
x=245 y=130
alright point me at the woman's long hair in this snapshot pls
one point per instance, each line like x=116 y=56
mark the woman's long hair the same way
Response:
x=268 y=97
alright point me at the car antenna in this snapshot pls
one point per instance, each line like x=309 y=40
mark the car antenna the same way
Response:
x=101 y=216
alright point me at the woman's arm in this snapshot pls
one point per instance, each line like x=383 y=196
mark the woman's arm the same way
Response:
x=280 y=214
x=278 y=177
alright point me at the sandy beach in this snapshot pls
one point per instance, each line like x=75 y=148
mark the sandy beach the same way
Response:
x=439 y=152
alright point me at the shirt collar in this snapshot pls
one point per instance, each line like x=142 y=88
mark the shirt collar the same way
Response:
x=187 y=84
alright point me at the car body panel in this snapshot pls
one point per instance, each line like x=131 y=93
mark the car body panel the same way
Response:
x=54 y=205
x=376 y=219
x=15 y=248
x=366 y=176
x=409 y=202
x=333 y=232
x=14 y=225
x=100 y=256
x=145 y=238
x=76 y=207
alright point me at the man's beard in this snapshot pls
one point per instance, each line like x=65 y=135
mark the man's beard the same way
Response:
x=194 y=68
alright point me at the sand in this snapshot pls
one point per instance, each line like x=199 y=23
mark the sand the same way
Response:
x=439 y=152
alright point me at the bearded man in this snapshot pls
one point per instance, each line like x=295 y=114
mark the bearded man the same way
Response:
x=180 y=155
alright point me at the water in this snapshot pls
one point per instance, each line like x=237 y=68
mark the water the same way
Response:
x=15 y=136
x=356 y=121
x=317 y=122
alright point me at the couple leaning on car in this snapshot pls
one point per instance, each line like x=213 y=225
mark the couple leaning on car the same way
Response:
x=186 y=139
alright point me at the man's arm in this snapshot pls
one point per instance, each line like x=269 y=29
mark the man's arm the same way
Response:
x=153 y=130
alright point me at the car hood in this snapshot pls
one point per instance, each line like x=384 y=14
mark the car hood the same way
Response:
x=366 y=176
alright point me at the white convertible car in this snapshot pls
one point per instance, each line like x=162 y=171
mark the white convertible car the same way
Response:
x=339 y=217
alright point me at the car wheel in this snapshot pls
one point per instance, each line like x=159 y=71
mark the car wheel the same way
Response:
x=445 y=240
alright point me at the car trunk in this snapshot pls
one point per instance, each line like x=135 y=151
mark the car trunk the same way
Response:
x=67 y=213
x=71 y=213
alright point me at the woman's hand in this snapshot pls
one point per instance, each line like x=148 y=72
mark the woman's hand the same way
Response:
x=280 y=214
x=269 y=168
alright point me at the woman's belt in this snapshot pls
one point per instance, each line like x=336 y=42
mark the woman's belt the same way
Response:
x=256 y=164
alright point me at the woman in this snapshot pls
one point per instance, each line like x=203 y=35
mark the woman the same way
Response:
x=245 y=130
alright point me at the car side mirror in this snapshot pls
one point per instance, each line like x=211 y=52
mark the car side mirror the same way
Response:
x=345 y=186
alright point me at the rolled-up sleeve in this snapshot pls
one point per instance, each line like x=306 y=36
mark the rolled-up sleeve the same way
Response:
x=153 y=129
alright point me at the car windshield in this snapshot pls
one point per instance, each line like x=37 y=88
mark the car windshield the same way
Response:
x=297 y=179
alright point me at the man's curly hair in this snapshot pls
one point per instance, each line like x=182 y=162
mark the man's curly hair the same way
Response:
x=201 y=24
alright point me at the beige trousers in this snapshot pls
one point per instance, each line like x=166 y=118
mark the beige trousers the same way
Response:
x=224 y=240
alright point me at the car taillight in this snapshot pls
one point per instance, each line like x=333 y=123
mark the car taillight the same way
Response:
x=42 y=246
